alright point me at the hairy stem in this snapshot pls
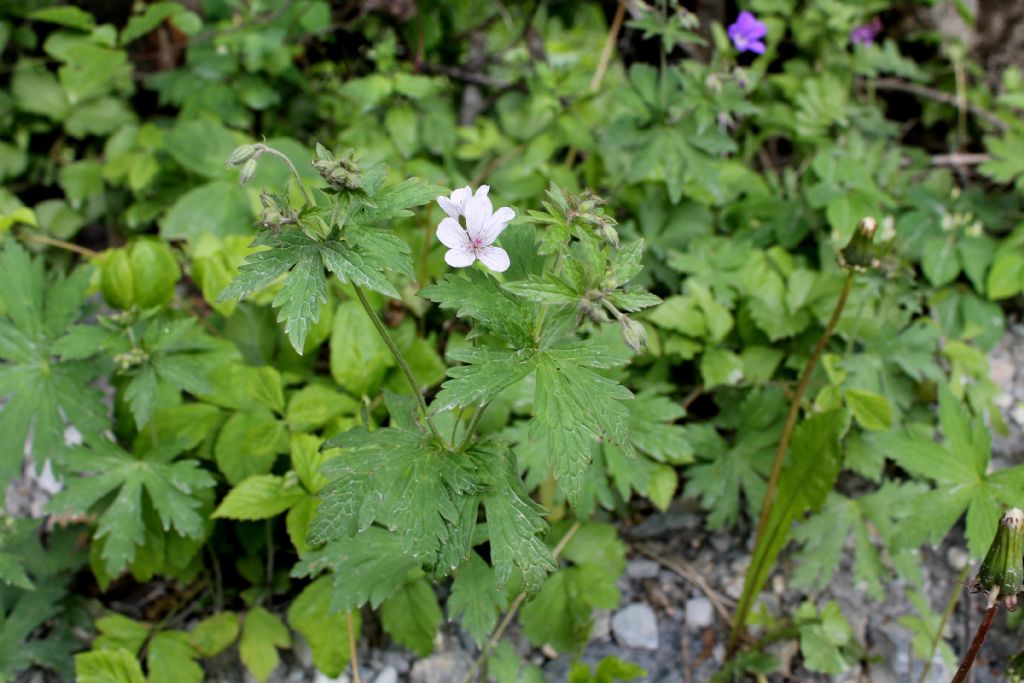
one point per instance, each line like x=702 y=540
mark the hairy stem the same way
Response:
x=291 y=167
x=510 y=615
x=979 y=638
x=399 y=358
x=954 y=597
x=377 y=322
x=743 y=608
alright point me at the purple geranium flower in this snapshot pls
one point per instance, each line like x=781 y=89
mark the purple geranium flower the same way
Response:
x=865 y=34
x=746 y=33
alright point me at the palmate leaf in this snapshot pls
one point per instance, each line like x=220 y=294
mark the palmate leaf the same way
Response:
x=476 y=296
x=487 y=373
x=361 y=256
x=475 y=599
x=399 y=478
x=514 y=520
x=45 y=393
x=177 y=354
x=170 y=487
x=368 y=568
x=574 y=407
x=959 y=469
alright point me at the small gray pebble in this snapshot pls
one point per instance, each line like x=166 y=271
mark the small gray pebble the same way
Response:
x=642 y=569
x=636 y=626
x=699 y=613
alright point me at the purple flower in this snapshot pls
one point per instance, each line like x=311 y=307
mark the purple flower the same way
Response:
x=865 y=34
x=746 y=33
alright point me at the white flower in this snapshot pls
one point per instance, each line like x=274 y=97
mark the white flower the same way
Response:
x=455 y=205
x=483 y=225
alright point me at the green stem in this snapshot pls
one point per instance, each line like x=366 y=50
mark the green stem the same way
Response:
x=743 y=608
x=399 y=358
x=377 y=322
x=471 y=427
x=485 y=651
x=950 y=606
x=291 y=167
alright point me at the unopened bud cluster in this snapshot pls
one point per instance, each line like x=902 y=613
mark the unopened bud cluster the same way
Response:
x=341 y=174
x=586 y=208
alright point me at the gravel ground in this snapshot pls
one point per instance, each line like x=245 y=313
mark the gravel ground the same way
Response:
x=678 y=576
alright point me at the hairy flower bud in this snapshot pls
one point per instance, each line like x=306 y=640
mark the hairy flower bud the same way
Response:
x=247 y=172
x=242 y=154
x=634 y=334
x=859 y=253
x=1003 y=569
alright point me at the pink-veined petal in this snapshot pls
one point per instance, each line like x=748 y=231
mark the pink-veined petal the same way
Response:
x=449 y=207
x=494 y=258
x=460 y=195
x=459 y=257
x=451 y=234
x=498 y=221
x=478 y=212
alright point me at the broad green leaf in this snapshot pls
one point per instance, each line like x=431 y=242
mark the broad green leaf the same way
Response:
x=359 y=357
x=215 y=634
x=171 y=659
x=872 y=411
x=574 y=407
x=170 y=487
x=262 y=634
x=412 y=616
x=248 y=444
x=215 y=208
x=1006 y=278
x=561 y=614
x=315 y=405
x=325 y=630
x=366 y=569
x=261 y=497
x=487 y=372
x=45 y=394
x=400 y=479
x=475 y=599
x=108 y=666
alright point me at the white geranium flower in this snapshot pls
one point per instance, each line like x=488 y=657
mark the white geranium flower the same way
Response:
x=476 y=240
x=455 y=205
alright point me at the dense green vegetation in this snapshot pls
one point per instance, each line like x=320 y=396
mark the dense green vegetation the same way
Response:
x=293 y=414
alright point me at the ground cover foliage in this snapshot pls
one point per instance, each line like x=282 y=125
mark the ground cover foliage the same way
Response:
x=291 y=412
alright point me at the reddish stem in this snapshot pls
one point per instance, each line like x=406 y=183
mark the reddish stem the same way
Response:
x=979 y=638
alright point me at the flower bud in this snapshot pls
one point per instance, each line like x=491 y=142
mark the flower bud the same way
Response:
x=859 y=254
x=141 y=274
x=241 y=155
x=247 y=172
x=1003 y=569
x=634 y=334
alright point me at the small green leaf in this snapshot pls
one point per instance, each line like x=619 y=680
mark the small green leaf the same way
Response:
x=260 y=497
x=262 y=634
x=108 y=666
x=215 y=634
x=872 y=411
x=412 y=616
x=325 y=630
